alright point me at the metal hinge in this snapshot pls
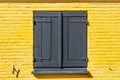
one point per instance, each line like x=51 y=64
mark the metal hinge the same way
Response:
x=85 y=21
x=34 y=60
x=85 y=59
x=34 y=22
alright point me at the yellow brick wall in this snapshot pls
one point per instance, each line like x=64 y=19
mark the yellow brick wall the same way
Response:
x=16 y=40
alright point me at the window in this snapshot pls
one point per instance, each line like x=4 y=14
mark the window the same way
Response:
x=60 y=42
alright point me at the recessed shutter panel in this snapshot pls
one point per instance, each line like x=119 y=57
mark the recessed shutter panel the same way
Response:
x=74 y=39
x=47 y=39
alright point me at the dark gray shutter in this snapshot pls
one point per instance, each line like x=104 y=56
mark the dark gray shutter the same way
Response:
x=47 y=39
x=74 y=39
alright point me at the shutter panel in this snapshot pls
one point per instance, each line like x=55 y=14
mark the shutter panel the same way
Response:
x=74 y=39
x=47 y=39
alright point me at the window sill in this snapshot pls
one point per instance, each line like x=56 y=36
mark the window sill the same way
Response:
x=61 y=71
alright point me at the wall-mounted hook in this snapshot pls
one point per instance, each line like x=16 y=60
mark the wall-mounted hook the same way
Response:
x=17 y=71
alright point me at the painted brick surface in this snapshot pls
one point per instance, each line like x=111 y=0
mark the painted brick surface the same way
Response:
x=16 y=40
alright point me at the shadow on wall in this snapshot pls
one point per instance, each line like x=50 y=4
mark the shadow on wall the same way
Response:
x=45 y=76
x=60 y=1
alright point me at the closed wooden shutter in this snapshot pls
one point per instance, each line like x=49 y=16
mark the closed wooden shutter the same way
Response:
x=74 y=39
x=47 y=39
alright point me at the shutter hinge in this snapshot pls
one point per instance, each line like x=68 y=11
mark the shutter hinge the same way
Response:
x=34 y=60
x=34 y=22
x=86 y=59
x=85 y=21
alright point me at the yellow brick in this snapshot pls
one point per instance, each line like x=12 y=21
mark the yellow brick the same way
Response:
x=16 y=38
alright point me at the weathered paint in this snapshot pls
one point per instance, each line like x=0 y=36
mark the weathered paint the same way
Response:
x=16 y=39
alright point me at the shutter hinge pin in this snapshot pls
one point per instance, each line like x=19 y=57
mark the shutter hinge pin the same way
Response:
x=85 y=21
x=34 y=60
x=34 y=22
